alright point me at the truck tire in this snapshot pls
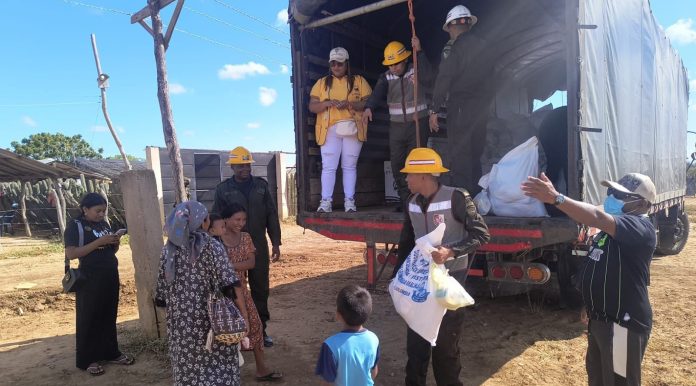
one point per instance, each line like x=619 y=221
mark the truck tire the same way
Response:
x=674 y=233
x=568 y=277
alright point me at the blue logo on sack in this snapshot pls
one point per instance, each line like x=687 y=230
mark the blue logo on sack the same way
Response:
x=414 y=276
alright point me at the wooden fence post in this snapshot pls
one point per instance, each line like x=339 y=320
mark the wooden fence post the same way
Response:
x=146 y=240
x=23 y=207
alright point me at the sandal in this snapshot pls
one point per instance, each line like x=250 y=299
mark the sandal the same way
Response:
x=270 y=377
x=124 y=359
x=95 y=369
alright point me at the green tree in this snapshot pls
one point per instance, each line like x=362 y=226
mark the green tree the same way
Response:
x=56 y=146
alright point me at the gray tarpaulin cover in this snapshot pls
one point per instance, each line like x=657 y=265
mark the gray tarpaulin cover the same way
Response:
x=634 y=87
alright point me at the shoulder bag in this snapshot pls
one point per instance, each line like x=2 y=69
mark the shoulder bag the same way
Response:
x=74 y=277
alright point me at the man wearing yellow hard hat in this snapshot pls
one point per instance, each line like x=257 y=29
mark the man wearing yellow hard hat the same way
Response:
x=396 y=86
x=431 y=204
x=262 y=217
x=465 y=81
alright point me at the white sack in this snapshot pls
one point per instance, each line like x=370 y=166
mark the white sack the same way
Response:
x=506 y=197
x=412 y=291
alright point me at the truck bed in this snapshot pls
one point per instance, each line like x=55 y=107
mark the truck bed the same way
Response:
x=382 y=224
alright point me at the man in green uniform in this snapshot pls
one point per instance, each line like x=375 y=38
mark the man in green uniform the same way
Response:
x=464 y=80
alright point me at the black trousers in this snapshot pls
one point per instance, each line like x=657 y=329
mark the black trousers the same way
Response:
x=601 y=350
x=466 y=141
x=402 y=139
x=97 y=305
x=446 y=363
x=258 y=280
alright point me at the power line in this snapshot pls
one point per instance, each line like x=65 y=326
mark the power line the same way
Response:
x=238 y=28
x=252 y=17
x=209 y=40
x=50 y=104
x=112 y=10
x=201 y=37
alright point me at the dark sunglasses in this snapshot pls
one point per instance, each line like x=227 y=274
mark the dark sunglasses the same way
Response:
x=619 y=195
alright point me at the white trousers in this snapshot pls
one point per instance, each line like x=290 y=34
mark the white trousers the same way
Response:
x=347 y=149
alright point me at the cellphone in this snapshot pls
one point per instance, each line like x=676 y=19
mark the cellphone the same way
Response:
x=121 y=232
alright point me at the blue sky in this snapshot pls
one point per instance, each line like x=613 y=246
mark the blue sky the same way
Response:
x=228 y=77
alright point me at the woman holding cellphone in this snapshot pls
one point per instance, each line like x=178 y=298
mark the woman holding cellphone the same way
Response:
x=89 y=239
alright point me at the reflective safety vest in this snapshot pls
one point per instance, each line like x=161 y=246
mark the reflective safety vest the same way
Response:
x=400 y=97
x=439 y=211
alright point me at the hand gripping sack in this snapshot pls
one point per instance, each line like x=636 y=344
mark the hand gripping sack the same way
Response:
x=448 y=292
x=412 y=290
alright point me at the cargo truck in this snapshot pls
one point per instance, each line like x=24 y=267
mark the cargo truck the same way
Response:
x=624 y=92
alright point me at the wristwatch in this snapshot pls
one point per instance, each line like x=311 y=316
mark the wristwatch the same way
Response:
x=559 y=200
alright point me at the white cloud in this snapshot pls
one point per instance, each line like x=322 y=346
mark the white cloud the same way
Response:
x=253 y=125
x=241 y=71
x=105 y=129
x=29 y=121
x=177 y=88
x=284 y=69
x=267 y=96
x=282 y=17
x=682 y=31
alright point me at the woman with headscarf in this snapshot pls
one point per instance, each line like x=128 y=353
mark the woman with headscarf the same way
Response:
x=90 y=239
x=192 y=264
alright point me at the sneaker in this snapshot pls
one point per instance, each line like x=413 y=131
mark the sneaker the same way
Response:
x=349 y=205
x=324 y=206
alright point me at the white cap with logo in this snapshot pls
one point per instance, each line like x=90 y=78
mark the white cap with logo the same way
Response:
x=338 y=54
x=635 y=183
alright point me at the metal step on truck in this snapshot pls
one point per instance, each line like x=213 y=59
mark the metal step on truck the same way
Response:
x=624 y=96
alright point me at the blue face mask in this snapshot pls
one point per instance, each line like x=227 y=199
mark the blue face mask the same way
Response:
x=612 y=205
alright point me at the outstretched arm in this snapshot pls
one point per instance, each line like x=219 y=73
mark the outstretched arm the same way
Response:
x=543 y=190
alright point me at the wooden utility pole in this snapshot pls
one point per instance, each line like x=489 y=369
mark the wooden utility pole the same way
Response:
x=161 y=44
x=103 y=83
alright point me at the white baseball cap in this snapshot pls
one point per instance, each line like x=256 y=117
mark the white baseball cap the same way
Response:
x=338 y=54
x=635 y=183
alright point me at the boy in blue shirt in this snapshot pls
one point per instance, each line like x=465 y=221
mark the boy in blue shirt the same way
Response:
x=350 y=357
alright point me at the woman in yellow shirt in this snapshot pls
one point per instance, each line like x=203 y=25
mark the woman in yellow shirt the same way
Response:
x=338 y=100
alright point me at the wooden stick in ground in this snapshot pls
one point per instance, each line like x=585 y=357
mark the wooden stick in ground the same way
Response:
x=102 y=82
x=61 y=197
x=59 y=209
x=23 y=208
x=164 y=102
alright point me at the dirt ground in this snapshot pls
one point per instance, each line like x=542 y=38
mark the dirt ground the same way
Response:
x=516 y=340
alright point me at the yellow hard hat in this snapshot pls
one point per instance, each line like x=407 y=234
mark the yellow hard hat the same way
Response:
x=423 y=160
x=394 y=53
x=239 y=156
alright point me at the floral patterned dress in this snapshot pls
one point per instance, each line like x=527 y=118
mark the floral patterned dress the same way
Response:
x=187 y=317
x=238 y=254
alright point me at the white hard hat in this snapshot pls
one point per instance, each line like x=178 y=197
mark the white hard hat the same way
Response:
x=459 y=12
